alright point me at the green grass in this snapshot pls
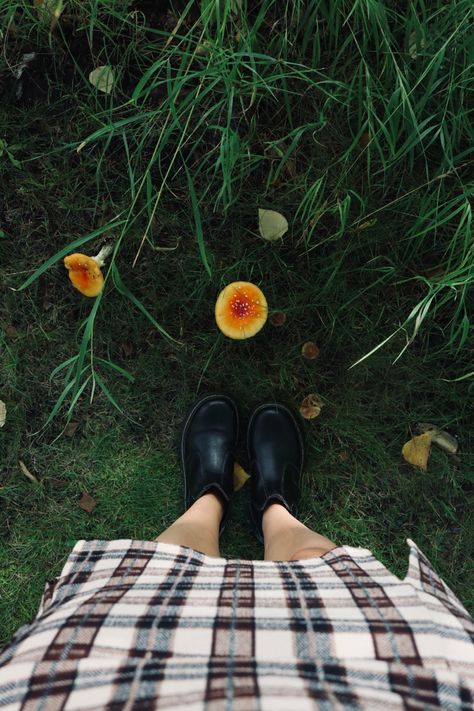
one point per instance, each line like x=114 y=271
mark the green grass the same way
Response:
x=335 y=114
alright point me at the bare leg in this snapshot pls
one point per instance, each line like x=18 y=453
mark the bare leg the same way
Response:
x=286 y=538
x=198 y=527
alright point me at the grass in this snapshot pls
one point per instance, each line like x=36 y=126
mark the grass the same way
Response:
x=353 y=120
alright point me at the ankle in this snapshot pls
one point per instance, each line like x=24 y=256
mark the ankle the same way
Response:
x=211 y=504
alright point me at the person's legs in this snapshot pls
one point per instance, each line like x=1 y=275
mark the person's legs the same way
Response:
x=207 y=443
x=276 y=454
x=198 y=527
x=286 y=538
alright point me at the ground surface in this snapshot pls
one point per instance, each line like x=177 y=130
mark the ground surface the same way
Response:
x=344 y=287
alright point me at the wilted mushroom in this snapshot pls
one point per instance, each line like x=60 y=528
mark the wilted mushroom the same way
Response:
x=241 y=310
x=85 y=273
x=310 y=350
x=277 y=318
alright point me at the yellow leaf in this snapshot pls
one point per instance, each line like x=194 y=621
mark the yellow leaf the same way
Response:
x=102 y=78
x=272 y=224
x=240 y=476
x=417 y=450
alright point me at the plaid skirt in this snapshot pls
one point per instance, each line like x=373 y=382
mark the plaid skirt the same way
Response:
x=143 y=625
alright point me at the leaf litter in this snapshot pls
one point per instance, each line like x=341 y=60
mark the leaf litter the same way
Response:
x=87 y=503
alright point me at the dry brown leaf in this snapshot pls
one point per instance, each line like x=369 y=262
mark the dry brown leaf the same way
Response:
x=87 y=503
x=240 y=476
x=24 y=470
x=311 y=406
x=277 y=318
x=71 y=428
x=417 y=450
x=365 y=139
x=310 y=350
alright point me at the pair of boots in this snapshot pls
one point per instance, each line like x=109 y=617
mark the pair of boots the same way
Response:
x=275 y=452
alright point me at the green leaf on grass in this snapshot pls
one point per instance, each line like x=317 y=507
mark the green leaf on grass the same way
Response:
x=272 y=225
x=103 y=78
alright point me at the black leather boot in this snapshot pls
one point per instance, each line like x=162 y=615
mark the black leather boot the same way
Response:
x=208 y=439
x=276 y=454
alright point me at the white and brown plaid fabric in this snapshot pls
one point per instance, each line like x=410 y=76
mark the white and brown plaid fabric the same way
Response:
x=138 y=625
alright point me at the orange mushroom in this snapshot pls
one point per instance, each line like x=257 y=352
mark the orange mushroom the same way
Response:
x=85 y=272
x=241 y=310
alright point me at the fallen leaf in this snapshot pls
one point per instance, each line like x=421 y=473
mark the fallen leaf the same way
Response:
x=277 y=318
x=103 y=79
x=443 y=439
x=417 y=450
x=344 y=455
x=3 y=413
x=240 y=476
x=24 y=470
x=71 y=428
x=365 y=139
x=87 y=503
x=272 y=225
x=311 y=406
x=310 y=350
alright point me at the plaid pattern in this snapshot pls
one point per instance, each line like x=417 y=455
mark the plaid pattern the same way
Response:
x=142 y=625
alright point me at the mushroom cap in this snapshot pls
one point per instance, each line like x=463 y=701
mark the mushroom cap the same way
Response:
x=241 y=310
x=85 y=274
